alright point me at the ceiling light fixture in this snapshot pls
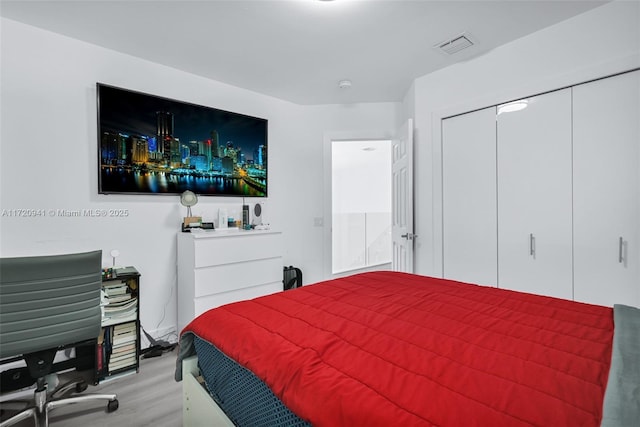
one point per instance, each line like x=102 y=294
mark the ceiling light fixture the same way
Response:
x=513 y=106
x=344 y=84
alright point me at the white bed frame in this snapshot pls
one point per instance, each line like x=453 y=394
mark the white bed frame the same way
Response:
x=198 y=407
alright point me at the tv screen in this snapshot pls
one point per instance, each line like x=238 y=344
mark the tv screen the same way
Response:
x=154 y=145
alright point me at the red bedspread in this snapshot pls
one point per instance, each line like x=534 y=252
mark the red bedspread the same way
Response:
x=393 y=349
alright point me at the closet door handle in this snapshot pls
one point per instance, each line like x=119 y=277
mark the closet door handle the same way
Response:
x=532 y=245
x=620 y=250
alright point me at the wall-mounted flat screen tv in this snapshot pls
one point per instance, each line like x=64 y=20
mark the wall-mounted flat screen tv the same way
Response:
x=154 y=145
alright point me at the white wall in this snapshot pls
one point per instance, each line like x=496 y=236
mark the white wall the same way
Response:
x=600 y=42
x=48 y=161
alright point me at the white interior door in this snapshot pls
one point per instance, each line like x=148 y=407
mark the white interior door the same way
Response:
x=402 y=193
x=469 y=198
x=606 y=190
x=534 y=195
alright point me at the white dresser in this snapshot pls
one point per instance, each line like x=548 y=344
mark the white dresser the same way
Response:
x=219 y=267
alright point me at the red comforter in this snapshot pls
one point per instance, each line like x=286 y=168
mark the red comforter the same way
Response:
x=393 y=349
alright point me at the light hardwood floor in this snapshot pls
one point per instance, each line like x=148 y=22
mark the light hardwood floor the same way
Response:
x=149 y=398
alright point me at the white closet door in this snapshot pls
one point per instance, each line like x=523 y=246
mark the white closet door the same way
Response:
x=470 y=246
x=534 y=196
x=606 y=119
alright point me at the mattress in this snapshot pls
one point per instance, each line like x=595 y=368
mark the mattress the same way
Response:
x=389 y=348
x=245 y=399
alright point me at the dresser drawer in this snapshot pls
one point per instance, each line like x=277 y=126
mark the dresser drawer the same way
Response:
x=205 y=303
x=223 y=278
x=236 y=247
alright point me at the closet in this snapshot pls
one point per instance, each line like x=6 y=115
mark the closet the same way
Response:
x=552 y=191
x=469 y=198
x=534 y=195
x=606 y=190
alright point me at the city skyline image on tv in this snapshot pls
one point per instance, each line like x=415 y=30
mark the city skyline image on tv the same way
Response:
x=154 y=145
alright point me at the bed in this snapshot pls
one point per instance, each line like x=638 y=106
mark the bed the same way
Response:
x=389 y=348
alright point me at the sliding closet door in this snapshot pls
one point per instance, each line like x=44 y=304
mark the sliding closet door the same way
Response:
x=534 y=195
x=469 y=197
x=606 y=119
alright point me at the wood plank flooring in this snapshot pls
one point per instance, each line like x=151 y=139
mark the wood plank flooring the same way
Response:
x=149 y=398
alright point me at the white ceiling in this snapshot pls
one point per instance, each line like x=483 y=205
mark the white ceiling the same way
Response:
x=298 y=50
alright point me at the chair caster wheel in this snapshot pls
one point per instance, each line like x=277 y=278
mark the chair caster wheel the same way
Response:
x=112 y=405
x=81 y=386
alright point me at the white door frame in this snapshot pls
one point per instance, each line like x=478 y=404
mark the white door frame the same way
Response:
x=328 y=208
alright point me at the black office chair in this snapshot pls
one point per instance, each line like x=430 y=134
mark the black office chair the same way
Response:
x=48 y=303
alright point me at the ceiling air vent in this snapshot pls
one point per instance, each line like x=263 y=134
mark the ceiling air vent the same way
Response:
x=455 y=44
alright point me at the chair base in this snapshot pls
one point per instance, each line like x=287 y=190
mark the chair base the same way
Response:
x=39 y=411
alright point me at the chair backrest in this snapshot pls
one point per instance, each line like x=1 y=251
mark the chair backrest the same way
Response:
x=48 y=302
